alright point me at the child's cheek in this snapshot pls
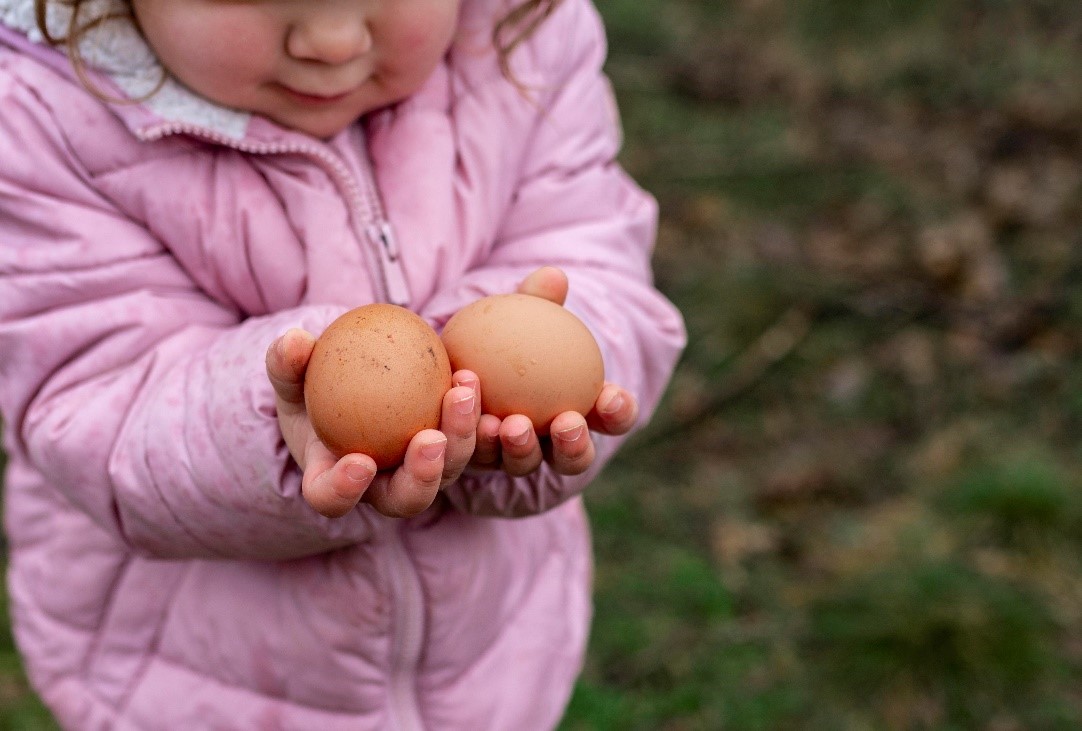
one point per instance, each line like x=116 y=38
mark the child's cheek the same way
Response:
x=200 y=48
x=241 y=40
x=427 y=34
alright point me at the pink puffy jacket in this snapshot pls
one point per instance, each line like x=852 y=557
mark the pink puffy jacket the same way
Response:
x=164 y=572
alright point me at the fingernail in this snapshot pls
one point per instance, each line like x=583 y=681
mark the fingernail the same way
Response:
x=464 y=405
x=358 y=472
x=434 y=450
x=614 y=404
x=519 y=438
x=570 y=435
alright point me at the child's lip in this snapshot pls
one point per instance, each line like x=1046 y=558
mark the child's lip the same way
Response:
x=313 y=98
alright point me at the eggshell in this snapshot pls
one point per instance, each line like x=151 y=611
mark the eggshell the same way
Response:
x=532 y=356
x=377 y=376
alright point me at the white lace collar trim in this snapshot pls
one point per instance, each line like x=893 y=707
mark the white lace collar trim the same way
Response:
x=118 y=50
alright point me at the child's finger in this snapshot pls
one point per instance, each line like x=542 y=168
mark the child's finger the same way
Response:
x=413 y=486
x=547 y=282
x=615 y=411
x=287 y=359
x=521 y=452
x=332 y=487
x=572 y=448
x=459 y=423
x=486 y=450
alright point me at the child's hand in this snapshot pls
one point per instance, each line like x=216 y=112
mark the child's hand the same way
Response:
x=334 y=486
x=512 y=444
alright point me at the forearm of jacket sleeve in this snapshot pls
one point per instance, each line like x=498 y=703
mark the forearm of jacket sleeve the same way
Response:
x=576 y=208
x=140 y=399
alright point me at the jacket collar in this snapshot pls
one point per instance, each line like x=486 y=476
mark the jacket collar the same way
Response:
x=125 y=66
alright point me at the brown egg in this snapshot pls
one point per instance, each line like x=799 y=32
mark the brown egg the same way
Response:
x=533 y=357
x=377 y=376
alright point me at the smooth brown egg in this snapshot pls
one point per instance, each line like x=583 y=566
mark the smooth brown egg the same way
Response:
x=533 y=357
x=377 y=376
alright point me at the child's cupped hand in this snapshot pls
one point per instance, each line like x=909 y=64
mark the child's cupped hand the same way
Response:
x=334 y=486
x=513 y=445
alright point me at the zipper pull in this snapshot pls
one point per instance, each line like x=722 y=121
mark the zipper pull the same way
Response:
x=394 y=278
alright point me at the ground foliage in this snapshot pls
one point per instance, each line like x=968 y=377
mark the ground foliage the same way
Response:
x=860 y=505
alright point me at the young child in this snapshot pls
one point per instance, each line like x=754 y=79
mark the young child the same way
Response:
x=190 y=191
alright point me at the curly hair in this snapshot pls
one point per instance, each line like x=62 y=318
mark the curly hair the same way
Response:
x=509 y=32
x=517 y=26
x=76 y=29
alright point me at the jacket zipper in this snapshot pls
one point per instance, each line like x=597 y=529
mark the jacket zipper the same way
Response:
x=394 y=280
x=407 y=633
x=371 y=225
x=407 y=636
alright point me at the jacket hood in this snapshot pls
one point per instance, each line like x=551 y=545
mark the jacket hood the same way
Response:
x=126 y=67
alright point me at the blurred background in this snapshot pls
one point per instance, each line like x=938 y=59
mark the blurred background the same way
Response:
x=860 y=505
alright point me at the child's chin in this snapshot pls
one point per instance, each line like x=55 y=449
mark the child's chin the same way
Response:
x=321 y=123
x=318 y=128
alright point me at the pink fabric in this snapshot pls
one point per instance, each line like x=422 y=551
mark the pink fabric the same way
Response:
x=164 y=572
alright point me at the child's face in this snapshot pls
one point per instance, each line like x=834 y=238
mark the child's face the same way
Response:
x=311 y=65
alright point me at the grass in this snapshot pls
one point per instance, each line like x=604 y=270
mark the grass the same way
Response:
x=858 y=506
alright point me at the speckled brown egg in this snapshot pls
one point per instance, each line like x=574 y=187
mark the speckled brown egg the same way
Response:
x=533 y=357
x=377 y=376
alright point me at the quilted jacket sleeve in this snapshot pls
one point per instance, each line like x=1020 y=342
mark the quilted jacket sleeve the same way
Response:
x=139 y=398
x=574 y=207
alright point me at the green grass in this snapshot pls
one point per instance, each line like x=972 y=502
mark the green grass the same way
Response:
x=1016 y=499
x=978 y=645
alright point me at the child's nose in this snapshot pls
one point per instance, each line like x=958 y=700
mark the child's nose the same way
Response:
x=331 y=35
